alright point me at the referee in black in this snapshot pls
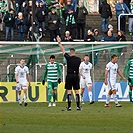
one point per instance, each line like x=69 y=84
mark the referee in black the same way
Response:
x=72 y=77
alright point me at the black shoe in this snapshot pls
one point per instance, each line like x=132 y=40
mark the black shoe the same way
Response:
x=91 y=102
x=25 y=104
x=79 y=108
x=118 y=105
x=20 y=104
x=67 y=109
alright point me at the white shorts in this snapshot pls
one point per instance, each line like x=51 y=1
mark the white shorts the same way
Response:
x=21 y=86
x=111 y=85
x=85 y=82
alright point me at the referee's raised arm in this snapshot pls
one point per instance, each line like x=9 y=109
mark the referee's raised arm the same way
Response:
x=60 y=45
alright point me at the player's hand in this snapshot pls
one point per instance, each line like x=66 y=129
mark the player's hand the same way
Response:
x=106 y=82
x=43 y=82
x=29 y=84
x=124 y=79
x=59 y=80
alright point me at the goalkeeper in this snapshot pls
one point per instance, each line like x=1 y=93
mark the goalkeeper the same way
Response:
x=129 y=74
x=53 y=73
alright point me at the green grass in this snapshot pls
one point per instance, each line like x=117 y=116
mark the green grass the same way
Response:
x=38 y=118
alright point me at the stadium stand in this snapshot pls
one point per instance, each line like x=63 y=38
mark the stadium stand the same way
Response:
x=11 y=54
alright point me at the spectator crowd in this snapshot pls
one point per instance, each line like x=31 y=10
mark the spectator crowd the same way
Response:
x=52 y=14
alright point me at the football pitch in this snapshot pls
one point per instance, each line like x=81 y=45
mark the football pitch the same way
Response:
x=38 y=118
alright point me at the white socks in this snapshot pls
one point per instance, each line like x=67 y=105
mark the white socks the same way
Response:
x=115 y=98
x=25 y=97
x=90 y=95
x=19 y=99
x=108 y=99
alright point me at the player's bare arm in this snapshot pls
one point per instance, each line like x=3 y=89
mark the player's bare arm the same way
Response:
x=91 y=72
x=60 y=45
x=120 y=74
x=106 y=76
x=28 y=77
x=80 y=72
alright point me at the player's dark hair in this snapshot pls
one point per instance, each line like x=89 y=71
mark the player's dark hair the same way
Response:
x=52 y=57
x=72 y=49
x=86 y=55
x=21 y=59
x=113 y=56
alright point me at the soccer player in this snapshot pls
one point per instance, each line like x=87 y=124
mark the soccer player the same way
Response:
x=110 y=79
x=129 y=73
x=52 y=72
x=72 y=77
x=21 y=76
x=85 y=78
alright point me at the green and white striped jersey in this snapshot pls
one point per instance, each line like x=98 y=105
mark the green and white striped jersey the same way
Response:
x=52 y=72
x=129 y=68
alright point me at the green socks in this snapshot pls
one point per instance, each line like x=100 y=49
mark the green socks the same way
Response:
x=49 y=94
x=55 y=97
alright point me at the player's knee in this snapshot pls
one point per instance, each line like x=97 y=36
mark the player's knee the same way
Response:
x=89 y=87
x=76 y=91
x=131 y=87
x=19 y=92
x=25 y=90
x=69 y=91
x=110 y=92
x=54 y=91
x=113 y=91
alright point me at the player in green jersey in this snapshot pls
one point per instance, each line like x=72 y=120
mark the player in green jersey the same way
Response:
x=53 y=73
x=129 y=73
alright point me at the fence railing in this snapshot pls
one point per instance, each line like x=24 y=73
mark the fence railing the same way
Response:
x=120 y=17
x=100 y=51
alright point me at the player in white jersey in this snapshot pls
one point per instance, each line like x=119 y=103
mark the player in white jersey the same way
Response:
x=21 y=76
x=85 y=78
x=110 y=79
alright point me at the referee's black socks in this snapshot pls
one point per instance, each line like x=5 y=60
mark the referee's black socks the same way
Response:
x=77 y=100
x=69 y=100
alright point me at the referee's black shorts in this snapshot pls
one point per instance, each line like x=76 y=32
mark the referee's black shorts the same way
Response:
x=72 y=80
